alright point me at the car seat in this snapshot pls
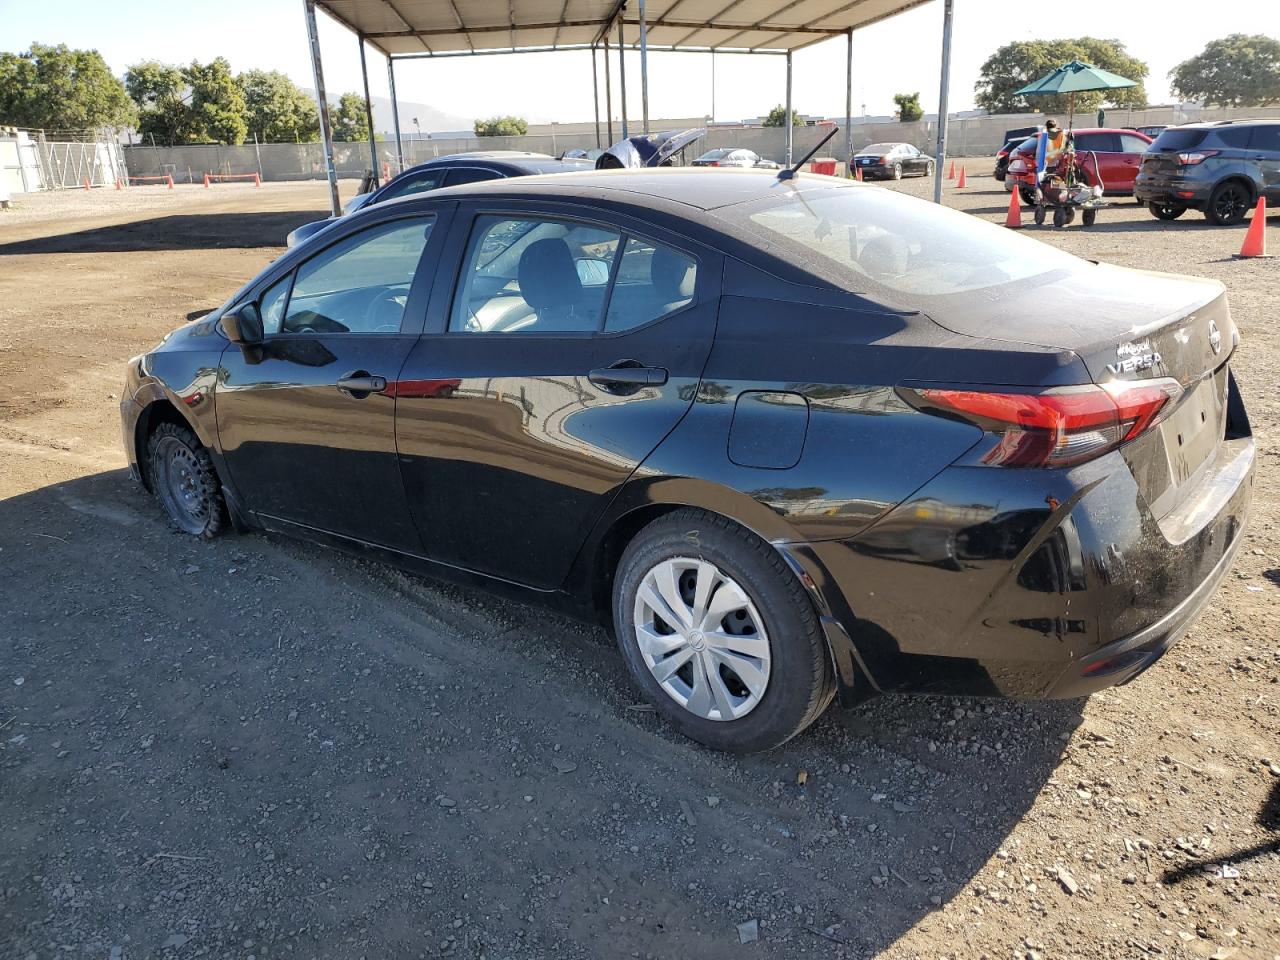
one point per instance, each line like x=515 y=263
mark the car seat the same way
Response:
x=550 y=285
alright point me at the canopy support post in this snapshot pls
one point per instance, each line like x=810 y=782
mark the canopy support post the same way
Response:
x=944 y=89
x=644 y=69
x=395 y=115
x=848 y=105
x=595 y=91
x=326 y=133
x=608 y=93
x=622 y=77
x=368 y=112
x=790 y=129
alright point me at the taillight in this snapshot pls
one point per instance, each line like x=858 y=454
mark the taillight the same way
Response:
x=1058 y=427
x=884 y=159
x=1017 y=165
x=1200 y=156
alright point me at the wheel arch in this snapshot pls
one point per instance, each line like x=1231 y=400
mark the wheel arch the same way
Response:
x=1242 y=178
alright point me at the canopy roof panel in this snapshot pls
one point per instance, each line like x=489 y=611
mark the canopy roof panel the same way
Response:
x=461 y=27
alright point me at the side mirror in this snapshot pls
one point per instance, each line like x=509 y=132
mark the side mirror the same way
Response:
x=243 y=325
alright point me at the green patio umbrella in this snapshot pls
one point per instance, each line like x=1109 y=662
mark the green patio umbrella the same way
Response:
x=1072 y=78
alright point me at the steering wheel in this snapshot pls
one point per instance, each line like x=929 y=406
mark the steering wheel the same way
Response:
x=385 y=311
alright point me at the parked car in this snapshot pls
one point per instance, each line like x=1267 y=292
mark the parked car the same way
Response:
x=782 y=443
x=450 y=171
x=1117 y=154
x=734 y=157
x=1152 y=132
x=892 y=161
x=1217 y=168
x=1003 y=156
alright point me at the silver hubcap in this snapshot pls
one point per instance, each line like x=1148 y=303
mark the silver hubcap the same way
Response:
x=702 y=638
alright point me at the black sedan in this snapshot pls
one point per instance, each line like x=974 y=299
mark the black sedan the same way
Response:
x=451 y=171
x=785 y=440
x=892 y=161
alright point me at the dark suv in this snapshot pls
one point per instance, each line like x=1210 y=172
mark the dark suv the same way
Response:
x=1218 y=168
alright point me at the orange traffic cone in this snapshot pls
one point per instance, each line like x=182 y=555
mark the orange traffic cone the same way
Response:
x=86 y=183
x=960 y=183
x=1013 y=220
x=857 y=174
x=206 y=181
x=951 y=171
x=1255 y=241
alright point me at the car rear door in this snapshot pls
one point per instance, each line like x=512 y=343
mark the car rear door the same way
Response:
x=1132 y=149
x=1264 y=150
x=1104 y=149
x=305 y=419
x=564 y=376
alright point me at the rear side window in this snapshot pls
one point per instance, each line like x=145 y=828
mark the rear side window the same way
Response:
x=1266 y=138
x=1174 y=139
x=1028 y=145
x=652 y=281
x=419 y=182
x=1131 y=144
x=1235 y=137
x=469 y=175
x=1099 y=142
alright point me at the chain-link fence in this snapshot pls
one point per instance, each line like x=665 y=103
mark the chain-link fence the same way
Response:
x=29 y=161
x=967 y=137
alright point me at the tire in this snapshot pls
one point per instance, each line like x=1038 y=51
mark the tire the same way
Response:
x=1088 y=217
x=897 y=171
x=1228 y=204
x=185 y=482
x=1039 y=215
x=1163 y=210
x=780 y=647
x=1028 y=195
x=1059 y=217
x=1070 y=213
x=928 y=170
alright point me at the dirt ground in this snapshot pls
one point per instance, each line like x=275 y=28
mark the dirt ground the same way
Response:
x=256 y=748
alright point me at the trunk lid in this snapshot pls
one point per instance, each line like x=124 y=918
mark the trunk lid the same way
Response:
x=1130 y=325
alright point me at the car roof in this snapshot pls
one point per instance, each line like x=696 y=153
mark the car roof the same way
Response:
x=1211 y=124
x=702 y=188
x=506 y=161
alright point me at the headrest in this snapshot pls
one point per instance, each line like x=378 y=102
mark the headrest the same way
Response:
x=547 y=275
x=673 y=274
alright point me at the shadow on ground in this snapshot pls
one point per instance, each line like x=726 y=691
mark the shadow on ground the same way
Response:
x=254 y=739
x=194 y=231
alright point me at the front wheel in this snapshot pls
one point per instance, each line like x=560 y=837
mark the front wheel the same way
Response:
x=719 y=633
x=185 y=482
x=1088 y=217
x=1059 y=216
x=1039 y=215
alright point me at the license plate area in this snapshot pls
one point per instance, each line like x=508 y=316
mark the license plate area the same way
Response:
x=1193 y=432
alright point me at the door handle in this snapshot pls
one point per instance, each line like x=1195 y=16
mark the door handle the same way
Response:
x=627 y=376
x=360 y=383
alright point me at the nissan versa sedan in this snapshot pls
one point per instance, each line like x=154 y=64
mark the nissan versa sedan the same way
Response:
x=788 y=440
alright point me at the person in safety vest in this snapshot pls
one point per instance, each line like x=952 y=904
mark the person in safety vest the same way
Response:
x=1049 y=147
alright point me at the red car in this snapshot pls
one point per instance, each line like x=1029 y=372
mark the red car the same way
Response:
x=1118 y=152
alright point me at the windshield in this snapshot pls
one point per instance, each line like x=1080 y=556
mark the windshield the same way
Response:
x=879 y=148
x=867 y=238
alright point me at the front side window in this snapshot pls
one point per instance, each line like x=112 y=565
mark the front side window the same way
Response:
x=271 y=305
x=469 y=175
x=360 y=284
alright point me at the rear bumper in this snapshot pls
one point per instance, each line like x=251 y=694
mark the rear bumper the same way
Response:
x=1024 y=583
x=1176 y=190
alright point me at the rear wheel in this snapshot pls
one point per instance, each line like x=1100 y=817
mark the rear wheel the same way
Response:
x=1228 y=204
x=1059 y=216
x=1039 y=215
x=1028 y=195
x=719 y=633
x=1163 y=210
x=1088 y=217
x=185 y=481
x=897 y=171
x=928 y=169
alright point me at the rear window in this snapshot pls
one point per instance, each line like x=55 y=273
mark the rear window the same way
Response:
x=1178 y=139
x=865 y=238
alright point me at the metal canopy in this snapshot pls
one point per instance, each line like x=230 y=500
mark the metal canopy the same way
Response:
x=427 y=28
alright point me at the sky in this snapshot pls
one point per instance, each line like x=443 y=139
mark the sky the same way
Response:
x=897 y=55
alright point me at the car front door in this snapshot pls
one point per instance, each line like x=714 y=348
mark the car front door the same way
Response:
x=1104 y=150
x=305 y=419
x=571 y=346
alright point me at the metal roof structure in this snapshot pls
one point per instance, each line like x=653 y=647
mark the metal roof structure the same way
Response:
x=435 y=29
x=430 y=28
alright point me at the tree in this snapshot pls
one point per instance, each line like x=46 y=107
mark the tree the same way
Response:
x=217 y=102
x=278 y=110
x=58 y=88
x=1016 y=64
x=1236 y=71
x=778 y=118
x=161 y=94
x=348 y=119
x=909 y=109
x=501 y=127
